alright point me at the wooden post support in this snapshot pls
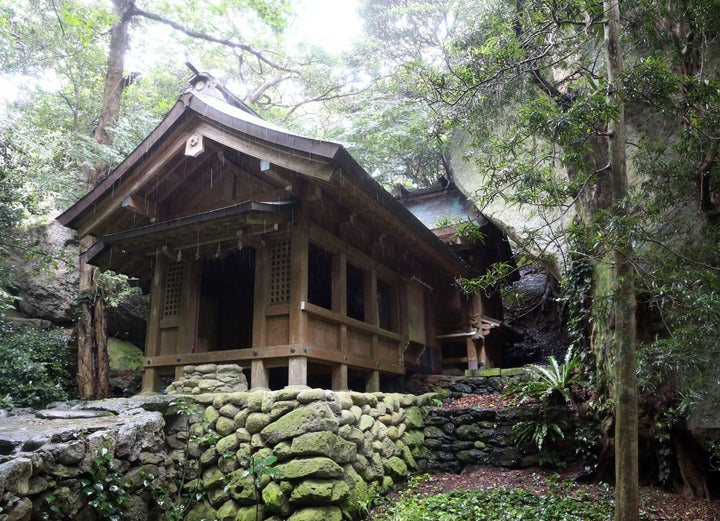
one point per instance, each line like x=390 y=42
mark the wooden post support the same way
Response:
x=471 y=353
x=340 y=377
x=150 y=380
x=298 y=283
x=259 y=376
x=483 y=356
x=297 y=370
x=157 y=293
x=262 y=275
x=372 y=385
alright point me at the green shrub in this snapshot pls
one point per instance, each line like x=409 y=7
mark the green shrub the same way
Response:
x=36 y=367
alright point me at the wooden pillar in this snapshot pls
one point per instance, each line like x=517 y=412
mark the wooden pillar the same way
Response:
x=339 y=297
x=298 y=283
x=297 y=370
x=259 y=376
x=187 y=325
x=372 y=385
x=340 y=377
x=483 y=358
x=471 y=353
x=262 y=275
x=151 y=379
x=371 y=303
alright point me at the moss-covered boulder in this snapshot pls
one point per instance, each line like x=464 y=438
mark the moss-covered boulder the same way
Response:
x=396 y=468
x=276 y=499
x=253 y=513
x=318 y=444
x=228 y=511
x=331 y=513
x=320 y=492
x=359 y=494
x=314 y=417
x=310 y=467
x=202 y=512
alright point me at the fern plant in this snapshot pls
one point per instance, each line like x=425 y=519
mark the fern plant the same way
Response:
x=549 y=386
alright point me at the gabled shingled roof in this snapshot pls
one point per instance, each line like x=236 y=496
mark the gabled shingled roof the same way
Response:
x=323 y=160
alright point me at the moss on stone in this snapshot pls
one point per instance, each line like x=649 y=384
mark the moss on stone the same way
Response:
x=330 y=513
x=319 y=492
x=316 y=416
x=124 y=356
x=310 y=467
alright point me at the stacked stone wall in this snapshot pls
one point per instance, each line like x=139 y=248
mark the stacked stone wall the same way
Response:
x=326 y=454
x=294 y=454
x=334 y=450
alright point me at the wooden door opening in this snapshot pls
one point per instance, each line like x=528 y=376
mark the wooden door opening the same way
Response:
x=226 y=301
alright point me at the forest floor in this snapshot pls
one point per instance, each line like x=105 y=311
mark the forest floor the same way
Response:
x=656 y=504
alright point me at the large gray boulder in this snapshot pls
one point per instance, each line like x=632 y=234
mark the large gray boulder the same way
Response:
x=47 y=290
x=46 y=286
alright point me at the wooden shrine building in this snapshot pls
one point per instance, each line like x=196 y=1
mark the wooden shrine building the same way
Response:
x=470 y=331
x=271 y=250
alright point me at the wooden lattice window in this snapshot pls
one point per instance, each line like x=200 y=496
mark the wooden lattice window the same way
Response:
x=280 y=273
x=173 y=290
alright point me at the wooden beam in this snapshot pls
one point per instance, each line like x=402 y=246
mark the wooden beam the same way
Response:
x=297 y=370
x=269 y=354
x=140 y=205
x=317 y=168
x=327 y=314
x=152 y=167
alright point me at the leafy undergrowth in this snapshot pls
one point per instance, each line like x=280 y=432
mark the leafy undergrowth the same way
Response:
x=499 y=504
x=526 y=495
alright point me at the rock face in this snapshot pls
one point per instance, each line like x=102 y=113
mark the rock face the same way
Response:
x=47 y=292
x=48 y=454
x=50 y=292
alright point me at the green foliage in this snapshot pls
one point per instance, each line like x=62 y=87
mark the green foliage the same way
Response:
x=500 y=504
x=465 y=229
x=549 y=386
x=105 y=487
x=112 y=288
x=489 y=281
x=36 y=367
x=260 y=467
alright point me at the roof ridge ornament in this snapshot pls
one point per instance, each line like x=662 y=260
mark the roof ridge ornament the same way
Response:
x=206 y=84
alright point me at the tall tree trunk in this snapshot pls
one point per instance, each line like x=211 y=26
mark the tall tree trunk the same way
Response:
x=93 y=361
x=623 y=339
